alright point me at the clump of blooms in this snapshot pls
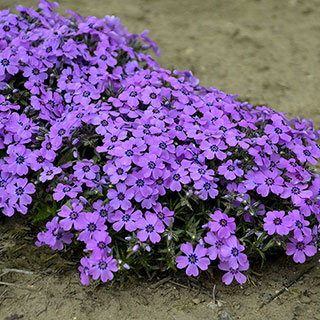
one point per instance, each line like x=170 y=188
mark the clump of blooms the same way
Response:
x=137 y=162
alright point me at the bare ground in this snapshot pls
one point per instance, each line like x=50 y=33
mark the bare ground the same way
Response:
x=268 y=52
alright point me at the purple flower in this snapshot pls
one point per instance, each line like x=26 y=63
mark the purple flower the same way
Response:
x=230 y=170
x=150 y=227
x=296 y=192
x=48 y=173
x=164 y=214
x=299 y=225
x=193 y=259
x=55 y=236
x=276 y=221
x=8 y=62
x=212 y=149
x=127 y=219
x=120 y=197
x=231 y=252
x=268 y=181
x=72 y=216
x=216 y=244
x=116 y=171
x=84 y=271
x=17 y=162
x=222 y=224
x=85 y=169
x=63 y=190
x=277 y=132
x=198 y=172
x=99 y=244
x=91 y=224
x=102 y=268
x=131 y=95
x=205 y=189
x=299 y=249
x=233 y=272
x=176 y=178
x=19 y=191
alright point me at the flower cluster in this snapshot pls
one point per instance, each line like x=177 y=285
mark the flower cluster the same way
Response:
x=136 y=157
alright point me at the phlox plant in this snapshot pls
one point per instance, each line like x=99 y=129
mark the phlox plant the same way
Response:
x=139 y=166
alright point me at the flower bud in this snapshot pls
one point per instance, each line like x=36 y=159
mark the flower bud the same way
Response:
x=135 y=247
x=148 y=248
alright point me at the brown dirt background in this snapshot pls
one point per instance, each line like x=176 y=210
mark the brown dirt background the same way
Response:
x=268 y=51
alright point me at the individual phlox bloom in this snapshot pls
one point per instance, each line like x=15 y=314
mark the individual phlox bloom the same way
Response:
x=86 y=169
x=296 y=192
x=301 y=249
x=85 y=93
x=18 y=160
x=198 y=172
x=232 y=273
x=268 y=181
x=277 y=132
x=127 y=219
x=55 y=236
x=139 y=185
x=206 y=189
x=299 y=225
x=216 y=244
x=214 y=149
x=181 y=176
x=120 y=197
x=150 y=227
x=193 y=259
x=222 y=224
x=20 y=190
x=63 y=190
x=90 y=223
x=131 y=95
x=102 y=268
x=230 y=170
x=151 y=166
x=307 y=206
x=104 y=210
x=235 y=138
x=127 y=152
x=99 y=244
x=164 y=214
x=49 y=172
x=8 y=63
x=151 y=95
x=231 y=252
x=276 y=221
x=71 y=216
x=84 y=271
x=306 y=154
x=116 y=171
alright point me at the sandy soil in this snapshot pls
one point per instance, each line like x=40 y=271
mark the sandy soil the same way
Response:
x=268 y=52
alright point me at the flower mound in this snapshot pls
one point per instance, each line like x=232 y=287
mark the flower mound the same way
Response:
x=134 y=161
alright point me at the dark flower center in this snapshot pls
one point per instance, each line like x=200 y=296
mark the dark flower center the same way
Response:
x=104 y=123
x=153 y=95
x=19 y=191
x=151 y=165
x=278 y=130
x=307 y=153
x=140 y=183
x=295 y=190
x=269 y=181
x=61 y=132
x=162 y=145
x=73 y=215
x=214 y=148
x=176 y=177
x=129 y=153
x=277 y=221
x=6 y=28
x=231 y=167
x=299 y=225
x=66 y=189
x=133 y=94
x=20 y=159
x=149 y=228
x=5 y=62
x=86 y=168
x=119 y=171
x=102 y=265
x=223 y=222
x=91 y=227
x=126 y=217
x=121 y=196
x=192 y=258
x=207 y=186
x=300 y=246
x=235 y=251
x=86 y=94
